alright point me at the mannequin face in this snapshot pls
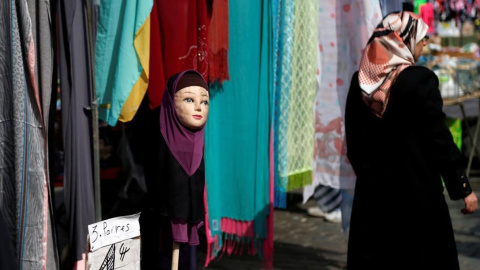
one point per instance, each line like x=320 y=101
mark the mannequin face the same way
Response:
x=191 y=104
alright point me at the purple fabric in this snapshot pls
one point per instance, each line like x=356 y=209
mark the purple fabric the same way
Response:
x=186 y=145
x=182 y=232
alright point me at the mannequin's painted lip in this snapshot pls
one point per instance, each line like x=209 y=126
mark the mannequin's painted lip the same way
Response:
x=197 y=116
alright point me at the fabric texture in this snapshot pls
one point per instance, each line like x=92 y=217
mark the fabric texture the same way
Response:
x=218 y=42
x=122 y=40
x=283 y=41
x=179 y=42
x=388 y=52
x=302 y=94
x=237 y=142
x=184 y=144
x=182 y=232
x=76 y=94
x=24 y=193
x=343 y=29
x=400 y=159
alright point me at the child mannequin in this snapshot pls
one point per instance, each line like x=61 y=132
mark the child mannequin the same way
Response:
x=176 y=198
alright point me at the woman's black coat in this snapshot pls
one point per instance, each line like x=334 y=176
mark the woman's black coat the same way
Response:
x=400 y=219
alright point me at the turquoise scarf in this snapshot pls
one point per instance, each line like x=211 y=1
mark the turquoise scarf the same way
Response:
x=237 y=136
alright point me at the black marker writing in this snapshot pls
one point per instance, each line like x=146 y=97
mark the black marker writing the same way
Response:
x=96 y=234
x=122 y=251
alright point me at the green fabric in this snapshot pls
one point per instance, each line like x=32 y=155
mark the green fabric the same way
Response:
x=455 y=126
x=117 y=67
x=417 y=5
x=237 y=131
x=301 y=121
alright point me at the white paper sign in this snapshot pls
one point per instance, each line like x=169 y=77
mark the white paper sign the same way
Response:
x=123 y=255
x=113 y=230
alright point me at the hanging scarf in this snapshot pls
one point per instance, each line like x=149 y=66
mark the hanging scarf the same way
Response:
x=283 y=37
x=218 y=42
x=388 y=52
x=303 y=87
x=344 y=28
x=24 y=185
x=122 y=58
x=237 y=142
x=76 y=94
x=180 y=43
x=186 y=145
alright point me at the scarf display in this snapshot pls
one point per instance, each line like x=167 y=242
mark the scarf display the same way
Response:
x=179 y=42
x=237 y=139
x=122 y=58
x=186 y=145
x=24 y=192
x=295 y=87
x=388 y=52
x=283 y=36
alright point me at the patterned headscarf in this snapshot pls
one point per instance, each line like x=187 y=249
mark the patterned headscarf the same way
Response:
x=388 y=52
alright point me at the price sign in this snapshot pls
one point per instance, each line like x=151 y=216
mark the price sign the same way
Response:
x=113 y=230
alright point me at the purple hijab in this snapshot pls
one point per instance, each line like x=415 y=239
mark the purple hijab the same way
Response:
x=185 y=144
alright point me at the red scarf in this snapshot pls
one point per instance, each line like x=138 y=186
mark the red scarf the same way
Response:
x=178 y=41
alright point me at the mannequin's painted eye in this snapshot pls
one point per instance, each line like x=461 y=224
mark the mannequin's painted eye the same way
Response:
x=188 y=99
x=205 y=102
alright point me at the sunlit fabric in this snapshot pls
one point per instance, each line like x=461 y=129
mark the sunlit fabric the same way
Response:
x=237 y=137
x=122 y=41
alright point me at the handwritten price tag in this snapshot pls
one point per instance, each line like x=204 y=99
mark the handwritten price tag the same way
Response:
x=113 y=230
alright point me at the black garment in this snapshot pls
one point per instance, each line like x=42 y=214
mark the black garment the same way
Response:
x=76 y=85
x=400 y=219
x=171 y=193
x=157 y=244
x=8 y=258
x=179 y=195
x=170 y=190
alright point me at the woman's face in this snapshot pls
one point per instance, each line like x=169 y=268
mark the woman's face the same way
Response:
x=191 y=104
x=418 y=48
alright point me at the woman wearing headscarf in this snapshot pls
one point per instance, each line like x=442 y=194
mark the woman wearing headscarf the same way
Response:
x=175 y=209
x=400 y=149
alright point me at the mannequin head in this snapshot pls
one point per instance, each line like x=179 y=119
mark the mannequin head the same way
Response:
x=192 y=101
